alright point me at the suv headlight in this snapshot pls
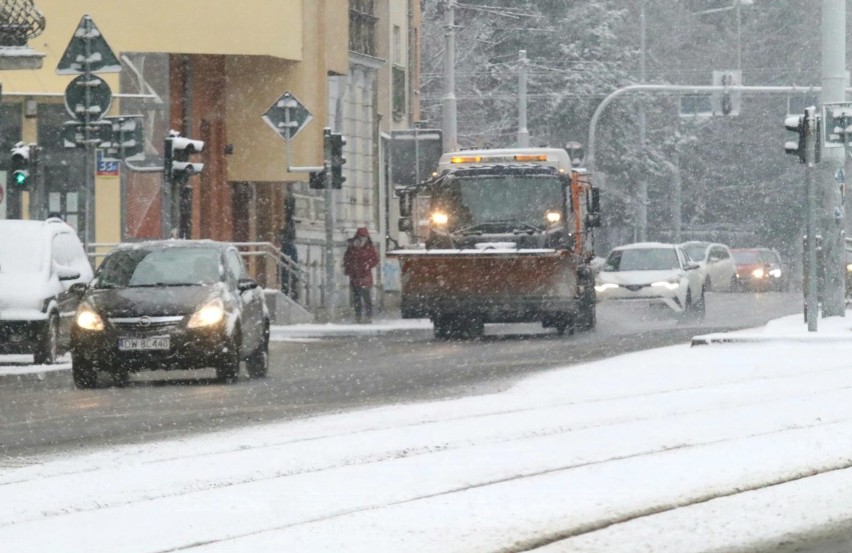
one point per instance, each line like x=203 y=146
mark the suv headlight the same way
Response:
x=211 y=313
x=87 y=318
x=667 y=284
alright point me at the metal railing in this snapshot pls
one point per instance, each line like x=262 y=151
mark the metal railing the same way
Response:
x=266 y=262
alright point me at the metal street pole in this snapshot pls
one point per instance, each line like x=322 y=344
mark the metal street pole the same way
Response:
x=833 y=216
x=449 y=117
x=330 y=285
x=523 y=132
x=642 y=203
x=812 y=301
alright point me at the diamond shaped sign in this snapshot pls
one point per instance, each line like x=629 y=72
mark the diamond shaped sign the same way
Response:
x=287 y=116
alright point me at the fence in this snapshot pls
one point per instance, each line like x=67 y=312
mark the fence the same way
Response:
x=267 y=263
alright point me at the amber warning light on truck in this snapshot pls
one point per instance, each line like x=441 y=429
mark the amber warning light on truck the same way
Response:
x=495 y=159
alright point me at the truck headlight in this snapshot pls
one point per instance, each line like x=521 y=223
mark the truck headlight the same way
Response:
x=439 y=218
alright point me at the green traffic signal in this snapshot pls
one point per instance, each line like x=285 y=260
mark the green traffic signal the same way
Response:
x=21 y=179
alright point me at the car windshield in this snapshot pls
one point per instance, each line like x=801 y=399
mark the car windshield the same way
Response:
x=746 y=258
x=160 y=267
x=645 y=259
x=513 y=199
x=695 y=251
x=21 y=252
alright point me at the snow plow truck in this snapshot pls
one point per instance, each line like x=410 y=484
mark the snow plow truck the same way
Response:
x=508 y=238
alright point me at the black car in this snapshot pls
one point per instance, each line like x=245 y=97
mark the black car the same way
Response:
x=170 y=304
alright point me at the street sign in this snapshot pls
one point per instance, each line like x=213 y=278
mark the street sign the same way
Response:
x=287 y=116
x=107 y=167
x=99 y=98
x=74 y=133
x=126 y=140
x=728 y=102
x=837 y=118
x=88 y=51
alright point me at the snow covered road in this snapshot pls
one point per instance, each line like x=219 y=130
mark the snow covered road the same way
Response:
x=598 y=457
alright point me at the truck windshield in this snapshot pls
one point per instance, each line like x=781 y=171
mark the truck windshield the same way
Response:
x=516 y=200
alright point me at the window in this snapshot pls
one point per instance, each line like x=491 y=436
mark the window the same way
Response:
x=398 y=93
x=362 y=27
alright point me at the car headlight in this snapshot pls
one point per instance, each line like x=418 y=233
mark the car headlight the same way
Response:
x=849 y=267
x=775 y=273
x=758 y=273
x=606 y=286
x=87 y=318
x=210 y=314
x=667 y=284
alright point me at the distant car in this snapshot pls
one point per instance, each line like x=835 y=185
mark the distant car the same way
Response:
x=39 y=262
x=760 y=270
x=717 y=264
x=170 y=304
x=653 y=273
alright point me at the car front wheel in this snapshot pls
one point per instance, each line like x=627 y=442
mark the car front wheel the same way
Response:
x=257 y=365
x=228 y=366
x=84 y=374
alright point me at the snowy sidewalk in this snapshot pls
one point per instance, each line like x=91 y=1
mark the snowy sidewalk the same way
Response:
x=786 y=329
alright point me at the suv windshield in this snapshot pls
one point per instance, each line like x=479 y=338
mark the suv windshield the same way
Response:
x=695 y=251
x=161 y=267
x=517 y=200
x=646 y=259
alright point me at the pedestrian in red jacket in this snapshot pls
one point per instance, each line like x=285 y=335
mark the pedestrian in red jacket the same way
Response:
x=358 y=262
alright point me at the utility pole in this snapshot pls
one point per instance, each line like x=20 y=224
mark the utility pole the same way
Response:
x=833 y=216
x=449 y=118
x=523 y=132
x=642 y=204
x=811 y=294
x=330 y=284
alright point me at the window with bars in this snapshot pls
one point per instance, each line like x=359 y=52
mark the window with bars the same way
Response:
x=362 y=27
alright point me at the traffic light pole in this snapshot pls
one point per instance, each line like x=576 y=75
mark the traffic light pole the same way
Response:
x=811 y=299
x=330 y=285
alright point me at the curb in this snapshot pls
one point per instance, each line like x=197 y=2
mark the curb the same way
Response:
x=713 y=339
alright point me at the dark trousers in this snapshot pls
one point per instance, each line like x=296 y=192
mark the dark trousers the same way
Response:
x=362 y=301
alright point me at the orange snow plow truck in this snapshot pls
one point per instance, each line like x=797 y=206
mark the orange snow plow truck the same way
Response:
x=509 y=240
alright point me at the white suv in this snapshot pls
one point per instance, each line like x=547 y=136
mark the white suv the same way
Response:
x=39 y=262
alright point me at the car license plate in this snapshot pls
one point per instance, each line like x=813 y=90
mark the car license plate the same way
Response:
x=143 y=344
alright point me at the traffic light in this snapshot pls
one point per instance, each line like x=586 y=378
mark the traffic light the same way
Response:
x=316 y=180
x=337 y=160
x=181 y=148
x=796 y=123
x=21 y=166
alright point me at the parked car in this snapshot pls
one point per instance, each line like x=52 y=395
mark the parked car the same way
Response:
x=170 y=304
x=716 y=262
x=653 y=273
x=39 y=262
x=760 y=270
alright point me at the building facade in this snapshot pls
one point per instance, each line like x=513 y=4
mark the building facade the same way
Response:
x=349 y=62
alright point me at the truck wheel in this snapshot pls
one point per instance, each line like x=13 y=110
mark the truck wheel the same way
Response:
x=563 y=323
x=588 y=317
x=443 y=327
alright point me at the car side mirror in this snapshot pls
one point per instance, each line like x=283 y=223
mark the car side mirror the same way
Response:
x=67 y=273
x=78 y=288
x=246 y=284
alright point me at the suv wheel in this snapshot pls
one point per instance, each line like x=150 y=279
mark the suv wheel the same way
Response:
x=47 y=349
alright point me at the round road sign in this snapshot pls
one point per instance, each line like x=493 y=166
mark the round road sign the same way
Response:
x=89 y=108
